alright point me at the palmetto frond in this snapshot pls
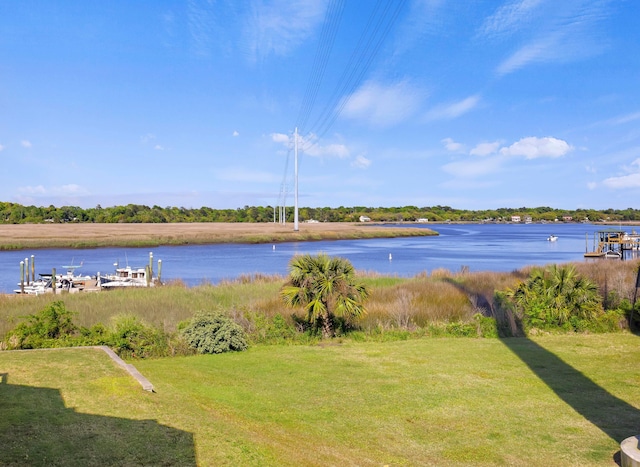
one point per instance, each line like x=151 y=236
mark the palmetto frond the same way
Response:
x=325 y=287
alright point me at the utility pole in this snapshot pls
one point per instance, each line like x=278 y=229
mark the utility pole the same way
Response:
x=295 y=208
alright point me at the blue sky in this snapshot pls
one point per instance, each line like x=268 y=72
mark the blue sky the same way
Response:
x=474 y=104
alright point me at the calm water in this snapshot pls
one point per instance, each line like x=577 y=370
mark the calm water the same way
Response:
x=479 y=247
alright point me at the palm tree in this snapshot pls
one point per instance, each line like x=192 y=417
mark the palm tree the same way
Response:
x=326 y=287
x=554 y=295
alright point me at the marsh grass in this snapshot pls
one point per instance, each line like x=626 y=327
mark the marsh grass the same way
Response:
x=396 y=303
x=87 y=235
x=416 y=303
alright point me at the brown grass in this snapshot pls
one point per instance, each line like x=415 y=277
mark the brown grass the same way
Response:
x=400 y=303
x=21 y=236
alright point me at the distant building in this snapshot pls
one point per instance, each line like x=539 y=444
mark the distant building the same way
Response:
x=365 y=219
x=567 y=218
x=422 y=220
x=515 y=219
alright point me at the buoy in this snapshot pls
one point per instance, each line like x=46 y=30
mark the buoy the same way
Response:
x=390 y=257
x=274 y=247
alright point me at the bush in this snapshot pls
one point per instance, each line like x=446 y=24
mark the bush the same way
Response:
x=43 y=329
x=132 y=338
x=213 y=332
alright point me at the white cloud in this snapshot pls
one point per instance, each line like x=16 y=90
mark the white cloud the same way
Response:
x=532 y=148
x=548 y=31
x=279 y=26
x=453 y=110
x=280 y=138
x=452 y=146
x=235 y=133
x=509 y=17
x=624 y=119
x=630 y=180
x=383 y=105
x=1 y=147
x=540 y=50
x=492 y=158
x=361 y=162
x=625 y=181
x=484 y=149
x=158 y=147
x=311 y=146
x=25 y=143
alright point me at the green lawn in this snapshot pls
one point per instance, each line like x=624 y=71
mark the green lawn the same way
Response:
x=555 y=400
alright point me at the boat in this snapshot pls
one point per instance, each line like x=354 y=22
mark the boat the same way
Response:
x=127 y=277
x=613 y=254
x=68 y=281
x=552 y=238
x=39 y=286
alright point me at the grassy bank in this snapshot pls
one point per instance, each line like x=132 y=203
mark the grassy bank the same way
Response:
x=552 y=401
x=29 y=236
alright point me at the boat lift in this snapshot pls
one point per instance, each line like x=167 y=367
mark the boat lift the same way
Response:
x=612 y=243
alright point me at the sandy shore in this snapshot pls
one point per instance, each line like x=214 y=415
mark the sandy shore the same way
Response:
x=19 y=236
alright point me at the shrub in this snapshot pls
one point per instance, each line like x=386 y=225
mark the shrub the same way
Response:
x=44 y=328
x=132 y=338
x=213 y=332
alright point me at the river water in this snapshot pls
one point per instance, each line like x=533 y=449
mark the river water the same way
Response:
x=480 y=247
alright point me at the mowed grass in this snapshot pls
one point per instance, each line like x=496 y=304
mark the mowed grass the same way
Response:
x=556 y=400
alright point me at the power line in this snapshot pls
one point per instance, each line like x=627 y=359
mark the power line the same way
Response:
x=378 y=27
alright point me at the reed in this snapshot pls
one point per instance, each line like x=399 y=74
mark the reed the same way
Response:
x=399 y=303
x=415 y=303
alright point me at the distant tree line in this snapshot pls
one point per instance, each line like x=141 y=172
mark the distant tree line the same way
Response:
x=13 y=213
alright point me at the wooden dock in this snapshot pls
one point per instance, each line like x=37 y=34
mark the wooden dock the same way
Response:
x=612 y=243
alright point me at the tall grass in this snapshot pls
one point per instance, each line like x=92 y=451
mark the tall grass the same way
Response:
x=397 y=303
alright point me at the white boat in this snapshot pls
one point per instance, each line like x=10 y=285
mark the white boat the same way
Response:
x=552 y=238
x=68 y=281
x=127 y=277
x=38 y=287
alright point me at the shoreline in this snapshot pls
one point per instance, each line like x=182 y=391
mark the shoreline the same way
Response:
x=39 y=236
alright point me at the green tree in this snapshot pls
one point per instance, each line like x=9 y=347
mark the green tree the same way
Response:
x=326 y=288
